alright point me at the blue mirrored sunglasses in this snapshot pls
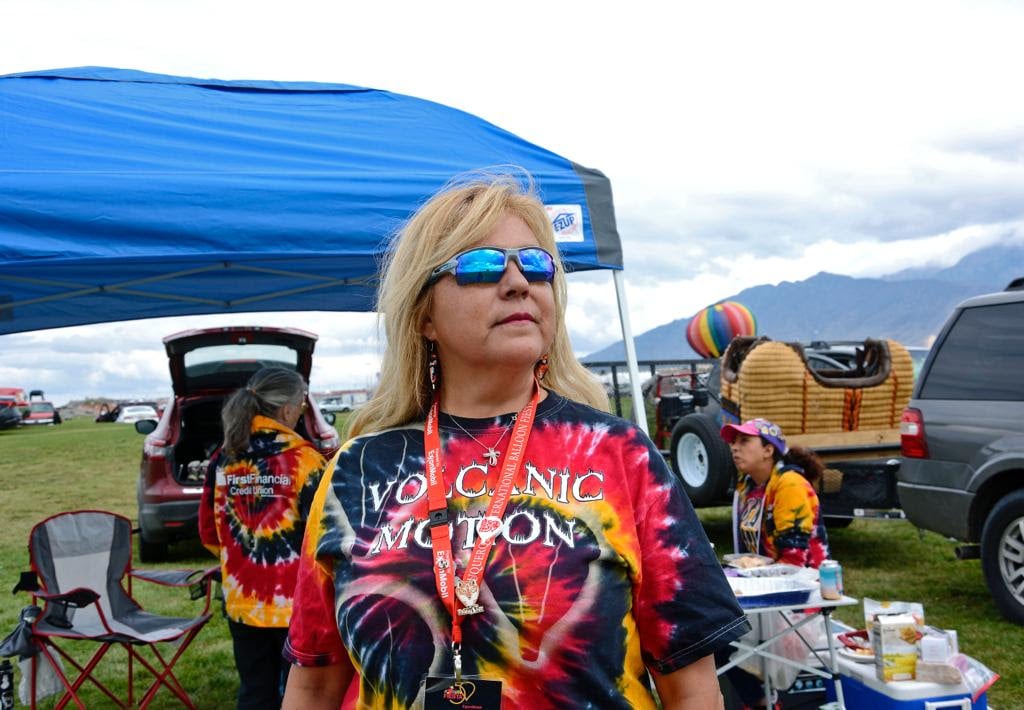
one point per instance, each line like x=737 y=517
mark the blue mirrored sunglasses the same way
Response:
x=488 y=264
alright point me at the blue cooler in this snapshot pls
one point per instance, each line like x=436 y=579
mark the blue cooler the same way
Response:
x=863 y=691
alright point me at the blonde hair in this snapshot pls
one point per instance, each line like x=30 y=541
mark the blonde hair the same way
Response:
x=460 y=215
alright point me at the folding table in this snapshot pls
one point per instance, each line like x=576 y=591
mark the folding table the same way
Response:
x=828 y=668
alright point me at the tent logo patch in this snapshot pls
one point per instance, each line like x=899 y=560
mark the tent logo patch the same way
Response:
x=567 y=221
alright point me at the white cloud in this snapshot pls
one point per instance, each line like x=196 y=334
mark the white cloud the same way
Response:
x=746 y=142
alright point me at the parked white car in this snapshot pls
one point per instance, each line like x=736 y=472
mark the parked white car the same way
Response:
x=137 y=413
x=334 y=404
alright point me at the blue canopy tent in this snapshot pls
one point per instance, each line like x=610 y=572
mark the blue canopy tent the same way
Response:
x=127 y=195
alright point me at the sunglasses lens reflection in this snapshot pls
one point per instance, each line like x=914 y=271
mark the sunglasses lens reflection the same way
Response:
x=537 y=265
x=480 y=266
x=488 y=265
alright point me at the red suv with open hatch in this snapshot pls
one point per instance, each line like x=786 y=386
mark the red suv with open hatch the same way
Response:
x=206 y=367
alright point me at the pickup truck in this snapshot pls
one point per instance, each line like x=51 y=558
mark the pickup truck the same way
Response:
x=14 y=397
x=843 y=400
x=40 y=411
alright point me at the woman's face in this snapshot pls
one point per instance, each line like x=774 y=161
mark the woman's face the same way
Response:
x=289 y=414
x=509 y=324
x=752 y=456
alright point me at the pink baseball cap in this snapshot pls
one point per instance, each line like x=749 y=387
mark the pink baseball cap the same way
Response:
x=770 y=433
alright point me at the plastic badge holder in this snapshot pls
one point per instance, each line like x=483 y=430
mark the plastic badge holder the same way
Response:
x=754 y=592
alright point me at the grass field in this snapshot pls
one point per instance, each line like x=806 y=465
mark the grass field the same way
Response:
x=81 y=464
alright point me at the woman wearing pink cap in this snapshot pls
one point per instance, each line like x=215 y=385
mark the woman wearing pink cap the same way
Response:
x=775 y=509
x=775 y=513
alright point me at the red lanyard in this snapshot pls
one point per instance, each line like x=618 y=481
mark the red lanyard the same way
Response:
x=468 y=587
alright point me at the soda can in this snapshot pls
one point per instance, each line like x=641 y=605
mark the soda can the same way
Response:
x=831 y=575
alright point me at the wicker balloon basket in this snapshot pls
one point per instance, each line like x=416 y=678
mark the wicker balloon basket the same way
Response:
x=771 y=379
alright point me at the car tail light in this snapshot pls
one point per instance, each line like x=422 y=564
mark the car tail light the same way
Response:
x=912 y=441
x=155 y=448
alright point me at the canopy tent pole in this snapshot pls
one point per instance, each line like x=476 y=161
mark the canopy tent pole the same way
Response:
x=639 y=413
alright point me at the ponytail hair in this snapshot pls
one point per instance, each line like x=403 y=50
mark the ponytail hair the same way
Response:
x=267 y=391
x=810 y=465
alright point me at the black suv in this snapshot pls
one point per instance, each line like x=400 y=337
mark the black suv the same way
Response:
x=962 y=439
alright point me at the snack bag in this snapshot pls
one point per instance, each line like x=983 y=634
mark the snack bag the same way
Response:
x=873 y=608
x=976 y=675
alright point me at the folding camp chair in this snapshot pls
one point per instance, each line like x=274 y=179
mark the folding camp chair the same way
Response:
x=83 y=561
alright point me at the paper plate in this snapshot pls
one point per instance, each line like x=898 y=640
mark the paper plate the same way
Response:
x=854 y=639
x=850 y=655
x=731 y=558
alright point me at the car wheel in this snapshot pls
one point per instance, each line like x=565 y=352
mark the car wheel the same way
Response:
x=836 y=523
x=151 y=551
x=701 y=460
x=1002 y=555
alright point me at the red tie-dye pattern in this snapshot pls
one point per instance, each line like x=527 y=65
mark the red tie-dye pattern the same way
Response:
x=259 y=530
x=564 y=623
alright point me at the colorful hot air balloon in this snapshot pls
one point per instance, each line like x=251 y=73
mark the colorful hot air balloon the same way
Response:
x=711 y=328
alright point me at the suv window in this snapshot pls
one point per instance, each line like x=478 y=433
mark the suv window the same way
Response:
x=982 y=357
x=278 y=354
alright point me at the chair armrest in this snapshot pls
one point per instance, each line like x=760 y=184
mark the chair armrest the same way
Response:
x=75 y=598
x=27 y=582
x=173 y=577
x=58 y=604
x=197 y=580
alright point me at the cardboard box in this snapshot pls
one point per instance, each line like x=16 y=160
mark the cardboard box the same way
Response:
x=894 y=640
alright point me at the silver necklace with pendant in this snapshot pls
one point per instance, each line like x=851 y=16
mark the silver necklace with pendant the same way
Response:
x=492 y=453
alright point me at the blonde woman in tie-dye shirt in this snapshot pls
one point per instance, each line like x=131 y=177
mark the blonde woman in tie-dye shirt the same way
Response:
x=487 y=435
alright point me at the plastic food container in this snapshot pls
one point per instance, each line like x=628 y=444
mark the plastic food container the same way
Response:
x=780 y=569
x=753 y=592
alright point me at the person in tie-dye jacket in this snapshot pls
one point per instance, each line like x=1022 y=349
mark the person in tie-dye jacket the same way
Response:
x=776 y=512
x=258 y=492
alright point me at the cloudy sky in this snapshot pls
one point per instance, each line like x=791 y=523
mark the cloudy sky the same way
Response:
x=746 y=143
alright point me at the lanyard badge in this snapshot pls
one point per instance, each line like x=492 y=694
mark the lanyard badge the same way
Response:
x=451 y=694
x=461 y=594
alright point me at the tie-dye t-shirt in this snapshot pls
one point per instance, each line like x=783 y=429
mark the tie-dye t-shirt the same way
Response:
x=601 y=568
x=781 y=519
x=252 y=516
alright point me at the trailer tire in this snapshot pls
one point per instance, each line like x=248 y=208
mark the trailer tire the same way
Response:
x=1001 y=540
x=701 y=460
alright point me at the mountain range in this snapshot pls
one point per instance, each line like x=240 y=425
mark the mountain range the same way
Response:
x=909 y=306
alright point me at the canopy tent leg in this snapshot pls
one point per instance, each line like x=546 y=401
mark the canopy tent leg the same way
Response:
x=639 y=413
